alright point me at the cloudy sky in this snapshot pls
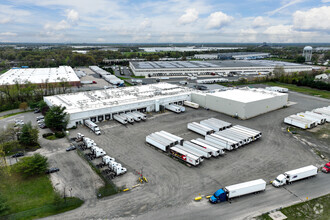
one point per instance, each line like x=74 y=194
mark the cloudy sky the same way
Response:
x=165 y=21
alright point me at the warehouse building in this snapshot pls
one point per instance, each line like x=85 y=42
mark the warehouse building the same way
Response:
x=185 y=68
x=40 y=76
x=101 y=105
x=243 y=103
x=233 y=56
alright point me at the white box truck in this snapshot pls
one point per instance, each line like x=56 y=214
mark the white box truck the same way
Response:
x=294 y=175
x=237 y=190
x=91 y=125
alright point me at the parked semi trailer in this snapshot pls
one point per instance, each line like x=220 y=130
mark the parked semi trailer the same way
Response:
x=191 y=104
x=323 y=113
x=237 y=190
x=128 y=118
x=231 y=136
x=134 y=116
x=185 y=156
x=315 y=115
x=201 y=157
x=299 y=122
x=217 y=151
x=257 y=133
x=143 y=116
x=173 y=108
x=248 y=138
x=253 y=136
x=215 y=124
x=317 y=121
x=180 y=139
x=237 y=144
x=173 y=140
x=294 y=175
x=91 y=125
x=195 y=146
x=198 y=150
x=199 y=129
x=163 y=139
x=157 y=143
x=228 y=144
x=120 y=119
x=212 y=144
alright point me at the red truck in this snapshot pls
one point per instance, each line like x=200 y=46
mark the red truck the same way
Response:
x=326 y=168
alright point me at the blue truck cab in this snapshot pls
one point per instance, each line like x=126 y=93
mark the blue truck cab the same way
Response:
x=219 y=196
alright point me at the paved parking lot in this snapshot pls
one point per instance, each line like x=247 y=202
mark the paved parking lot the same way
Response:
x=173 y=185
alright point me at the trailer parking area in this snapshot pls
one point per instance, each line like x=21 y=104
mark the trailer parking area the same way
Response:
x=172 y=183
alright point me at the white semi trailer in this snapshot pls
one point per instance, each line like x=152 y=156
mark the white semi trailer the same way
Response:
x=237 y=190
x=299 y=122
x=217 y=151
x=157 y=143
x=201 y=157
x=256 y=134
x=143 y=116
x=198 y=151
x=185 y=156
x=173 y=108
x=91 y=125
x=212 y=144
x=228 y=144
x=313 y=119
x=315 y=115
x=191 y=104
x=294 y=175
x=129 y=118
x=200 y=129
x=213 y=152
x=120 y=119
x=134 y=116
x=174 y=136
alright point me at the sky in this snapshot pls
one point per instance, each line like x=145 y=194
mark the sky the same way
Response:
x=165 y=21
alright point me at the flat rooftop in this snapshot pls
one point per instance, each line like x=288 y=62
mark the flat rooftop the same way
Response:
x=209 y=64
x=38 y=75
x=246 y=95
x=105 y=98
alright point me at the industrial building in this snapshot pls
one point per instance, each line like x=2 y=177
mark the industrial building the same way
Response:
x=184 y=68
x=40 y=76
x=243 y=103
x=101 y=105
x=186 y=49
x=233 y=56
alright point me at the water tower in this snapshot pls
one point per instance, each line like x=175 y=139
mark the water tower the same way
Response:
x=307 y=53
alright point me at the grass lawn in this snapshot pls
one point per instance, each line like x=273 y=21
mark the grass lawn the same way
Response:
x=317 y=209
x=12 y=114
x=32 y=198
x=138 y=77
x=3 y=71
x=301 y=89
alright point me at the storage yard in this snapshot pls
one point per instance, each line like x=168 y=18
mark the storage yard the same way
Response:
x=176 y=184
x=183 y=68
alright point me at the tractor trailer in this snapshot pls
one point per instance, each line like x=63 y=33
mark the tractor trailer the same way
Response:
x=237 y=190
x=294 y=175
x=91 y=125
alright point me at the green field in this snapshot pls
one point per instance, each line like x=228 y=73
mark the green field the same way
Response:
x=32 y=198
x=301 y=89
x=12 y=114
x=316 y=209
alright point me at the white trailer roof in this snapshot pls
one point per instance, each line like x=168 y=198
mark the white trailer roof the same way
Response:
x=105 y=98
x=245 y=184
x=301 y=170
x=38 y=75
x=246 y=95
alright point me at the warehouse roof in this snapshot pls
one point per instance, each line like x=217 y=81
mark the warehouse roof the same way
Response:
x=246 y=95
x=38 y=75
x=209 y=64
x=105 y=98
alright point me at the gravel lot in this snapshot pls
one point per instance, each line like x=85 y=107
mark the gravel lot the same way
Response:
x=172 y=184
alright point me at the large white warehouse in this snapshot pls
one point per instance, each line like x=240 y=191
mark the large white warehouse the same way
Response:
x=101 y=105
x=182 y=68
x=40 y=76
x=243 y=103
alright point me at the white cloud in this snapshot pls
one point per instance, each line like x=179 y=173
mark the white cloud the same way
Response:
x=247 y=36
x=313 y=19
x=100 y=39
x=72 y=16
x=259 y=22
x=190 y=16
x=218 y=19
x=5 y=20
x=8 y=34
x=325 y=1
x=146 y=23
x=288 y=4
x=62 y=25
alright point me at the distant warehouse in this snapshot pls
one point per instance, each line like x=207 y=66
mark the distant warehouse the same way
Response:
x=40 y=76
x=243 y=103
x=102 y=105
x=233 y=56
x=184 y=68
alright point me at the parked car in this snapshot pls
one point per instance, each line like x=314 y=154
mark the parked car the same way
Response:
x=41 y=121
x=36 y=110
x=52 y=170
x=42 y=126
x=20 y=154
x=326 y=168
x=72 y=147
x=40 y=117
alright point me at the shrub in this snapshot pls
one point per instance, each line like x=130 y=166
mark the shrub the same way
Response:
x=59 y=134
x=47 y=135
x=34 y=165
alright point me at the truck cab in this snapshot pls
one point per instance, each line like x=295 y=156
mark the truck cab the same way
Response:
x=219 y=196
x=97 y=131
x=279 y=181
x=326 y=168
